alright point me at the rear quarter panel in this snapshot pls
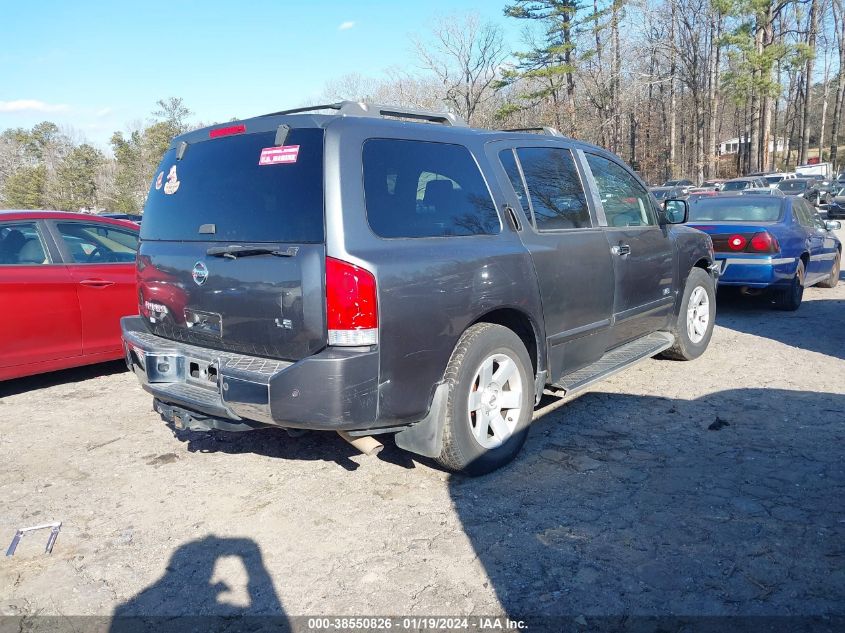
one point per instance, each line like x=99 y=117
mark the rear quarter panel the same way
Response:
x=429 y=289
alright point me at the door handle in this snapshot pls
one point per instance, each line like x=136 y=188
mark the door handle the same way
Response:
x=96 y=283
x=517 y=226
x=621 y=249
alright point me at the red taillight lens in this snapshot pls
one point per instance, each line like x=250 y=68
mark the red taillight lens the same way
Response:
x=351 y=304
x=764 y=242
x=226 y=131
x=737 y=242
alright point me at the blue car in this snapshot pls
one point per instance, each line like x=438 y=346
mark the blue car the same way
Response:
x=780 y=245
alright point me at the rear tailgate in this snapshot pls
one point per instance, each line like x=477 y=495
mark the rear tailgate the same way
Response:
x=232 y=251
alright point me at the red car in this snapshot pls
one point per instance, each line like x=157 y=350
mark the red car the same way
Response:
x=65 y=281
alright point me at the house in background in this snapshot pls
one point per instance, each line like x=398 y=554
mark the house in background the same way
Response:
x=732 y=145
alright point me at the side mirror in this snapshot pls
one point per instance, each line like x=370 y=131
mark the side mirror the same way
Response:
x=833 y=225
x=675 y=211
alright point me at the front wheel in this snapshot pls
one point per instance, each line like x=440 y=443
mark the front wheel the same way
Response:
x=491 y=399
x=697 y=314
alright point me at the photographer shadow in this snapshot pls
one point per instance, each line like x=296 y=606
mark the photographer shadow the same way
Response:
x=190 y=596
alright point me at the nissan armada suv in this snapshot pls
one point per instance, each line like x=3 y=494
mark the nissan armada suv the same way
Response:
x=379 y=270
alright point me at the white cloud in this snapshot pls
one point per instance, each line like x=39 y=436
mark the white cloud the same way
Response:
x=345 y=26
x=30 y=105
x=103 y=112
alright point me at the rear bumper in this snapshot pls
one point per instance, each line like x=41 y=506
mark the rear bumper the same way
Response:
x=755 y=271
x=336 y=389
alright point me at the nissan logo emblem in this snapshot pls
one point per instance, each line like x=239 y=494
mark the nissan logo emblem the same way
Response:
x=199 y=273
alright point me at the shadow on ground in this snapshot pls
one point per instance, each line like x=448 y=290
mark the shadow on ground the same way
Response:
x=276 y=443
x=191 y=587
x=730 y=504
x=65 y=376
x=754 y=315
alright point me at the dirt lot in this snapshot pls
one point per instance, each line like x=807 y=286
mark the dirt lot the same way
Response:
x=706 y=488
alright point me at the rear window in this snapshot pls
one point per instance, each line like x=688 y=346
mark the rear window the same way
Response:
x=745 y=209
x=219 y=182
x=422 y=189
x=736 y=185
x=793 y=185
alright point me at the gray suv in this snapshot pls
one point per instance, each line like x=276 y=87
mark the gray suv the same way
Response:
x=379 y=270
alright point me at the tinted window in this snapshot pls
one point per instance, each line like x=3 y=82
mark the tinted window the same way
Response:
x=221 y=183
x=736 y=209
x=420 y=189
x=98 y=243
x=624 y=200
x=796 y=185
x=554 y=188
x=21 y=245
x=736 y=185
x=509 y=163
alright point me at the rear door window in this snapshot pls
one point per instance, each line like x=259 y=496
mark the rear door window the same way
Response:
x=21 y=244
x=554 y=188
x=90 y=243
x=423 y=189
x=219 y=185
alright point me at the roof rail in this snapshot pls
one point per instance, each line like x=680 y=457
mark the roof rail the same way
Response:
x=356 y=108
x=547 y=130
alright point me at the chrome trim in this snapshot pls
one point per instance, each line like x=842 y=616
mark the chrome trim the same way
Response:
x=748 y=261
x=823 y=256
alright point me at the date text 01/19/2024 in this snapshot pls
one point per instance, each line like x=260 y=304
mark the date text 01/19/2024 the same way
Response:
x=415 y=623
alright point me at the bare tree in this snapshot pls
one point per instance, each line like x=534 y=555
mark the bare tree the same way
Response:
x=465 y=55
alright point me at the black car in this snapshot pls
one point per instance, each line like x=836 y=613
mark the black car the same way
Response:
x=379 y=270
x=805 y=187
x=836 y=205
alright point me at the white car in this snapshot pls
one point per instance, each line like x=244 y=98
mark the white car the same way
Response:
x=774 y=179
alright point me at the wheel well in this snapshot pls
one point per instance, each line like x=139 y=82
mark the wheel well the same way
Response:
x=702 y=263
x=805 y=257
x=520 y=324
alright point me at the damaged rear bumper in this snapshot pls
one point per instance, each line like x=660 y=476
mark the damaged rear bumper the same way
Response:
x=336 y=389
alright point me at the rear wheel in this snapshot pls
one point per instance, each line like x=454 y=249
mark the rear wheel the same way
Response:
x=831 y=281
x=789 y=298
x=491 y=399
x=694 y=325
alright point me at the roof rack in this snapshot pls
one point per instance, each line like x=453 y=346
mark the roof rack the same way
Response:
x=547 y=130
x=356 y=108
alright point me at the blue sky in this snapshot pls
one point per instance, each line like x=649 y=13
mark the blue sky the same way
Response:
x=98 y=66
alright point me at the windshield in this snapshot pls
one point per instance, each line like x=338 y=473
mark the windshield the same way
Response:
x=745 y=209
x=793 y=185
x=660 y=194
x=736 y=185
x=220 y=186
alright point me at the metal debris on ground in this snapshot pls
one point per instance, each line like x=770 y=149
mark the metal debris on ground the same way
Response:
x=54 y=533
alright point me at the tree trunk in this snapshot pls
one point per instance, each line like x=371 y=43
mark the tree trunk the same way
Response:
x=839 y=29
x=673 y=100
x=803 y=152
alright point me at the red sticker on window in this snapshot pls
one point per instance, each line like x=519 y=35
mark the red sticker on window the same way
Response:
x=279 y=155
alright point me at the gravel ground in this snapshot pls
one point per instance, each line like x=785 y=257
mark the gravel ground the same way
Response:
x=715 y=487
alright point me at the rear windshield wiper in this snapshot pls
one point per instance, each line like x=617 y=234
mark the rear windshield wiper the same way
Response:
x=233 y=251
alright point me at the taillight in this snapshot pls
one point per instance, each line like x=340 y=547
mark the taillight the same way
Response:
x=351 y=307
x=737 y=242
x=764 y=242
x=227 y=131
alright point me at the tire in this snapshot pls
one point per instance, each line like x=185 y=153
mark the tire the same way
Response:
x=833 y=279
x=789 y=299
x=694 y=325
x=465 y=429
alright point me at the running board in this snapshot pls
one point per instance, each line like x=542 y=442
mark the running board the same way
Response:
x=615 y=360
